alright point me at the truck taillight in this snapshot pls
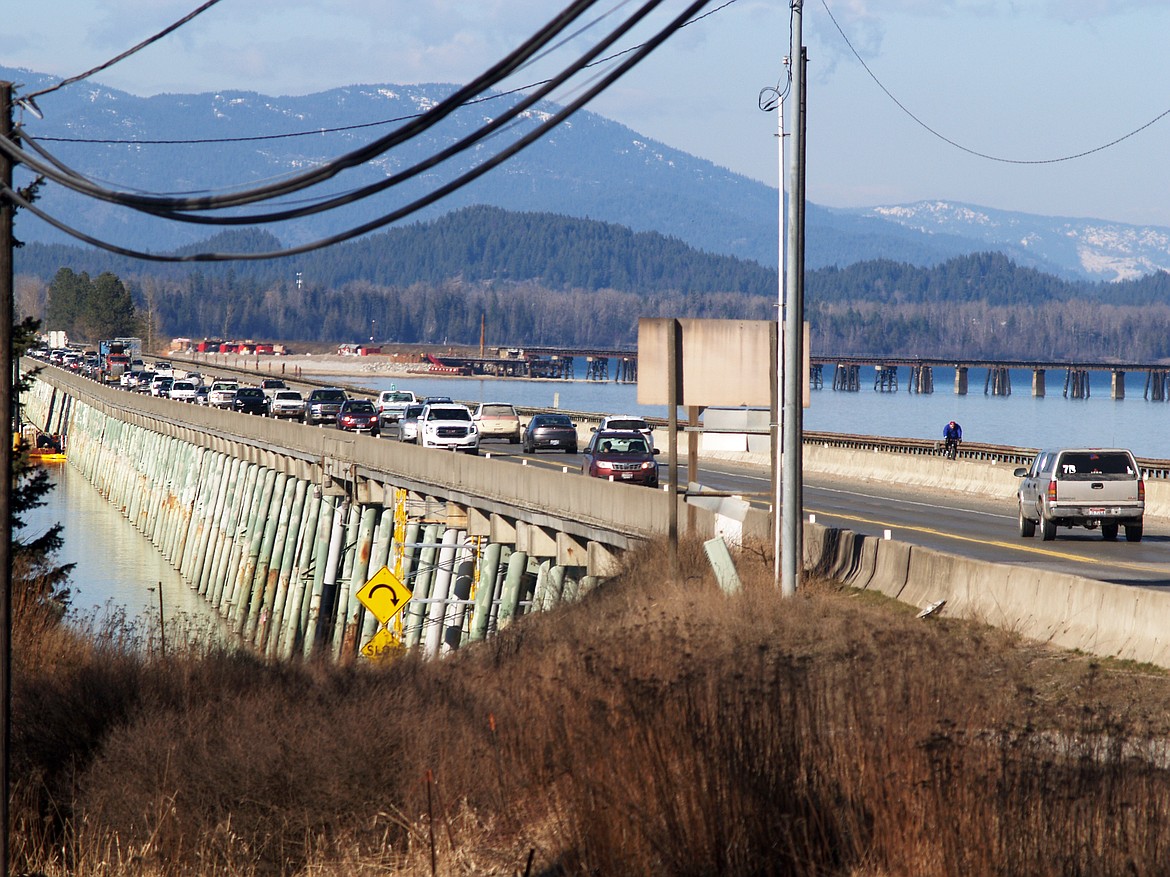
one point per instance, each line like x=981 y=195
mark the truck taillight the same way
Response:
x=1052 y=490
x=1141 y=490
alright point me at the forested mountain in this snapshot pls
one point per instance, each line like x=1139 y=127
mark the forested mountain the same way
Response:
x=588 y=167
x=543 y=279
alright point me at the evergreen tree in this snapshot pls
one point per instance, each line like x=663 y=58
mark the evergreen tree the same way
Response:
x=38 y=581
x=90 y=309
x=108 y=311
x=67 y=294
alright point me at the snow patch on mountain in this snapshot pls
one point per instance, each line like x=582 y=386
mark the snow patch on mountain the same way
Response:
x=1091 y=248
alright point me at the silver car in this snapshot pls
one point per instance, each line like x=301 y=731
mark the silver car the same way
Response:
x=407 y=424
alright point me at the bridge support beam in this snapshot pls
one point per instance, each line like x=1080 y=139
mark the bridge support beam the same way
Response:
x=960 y=380
x=1038 y=378
x=601 y=562
x=570 y=552
x=1156 y=380
x=1076 y=383
x=921 y=379
x=885 y=379
x=502 y=530
x=1117 y=387
x=535 y=540
x=847 y=378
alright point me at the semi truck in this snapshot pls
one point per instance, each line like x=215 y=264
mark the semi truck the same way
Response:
x=115 y=356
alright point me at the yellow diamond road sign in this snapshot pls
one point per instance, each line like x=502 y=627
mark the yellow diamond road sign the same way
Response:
x=384 y=595
x=383 y=644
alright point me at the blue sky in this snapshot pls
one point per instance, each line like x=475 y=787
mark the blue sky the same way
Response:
x=1027 y=80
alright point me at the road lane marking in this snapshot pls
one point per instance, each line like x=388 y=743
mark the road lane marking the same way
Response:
x=931 y=505
x=1011 y=546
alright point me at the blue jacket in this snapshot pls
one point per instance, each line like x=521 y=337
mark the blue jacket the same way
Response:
x=955 y=432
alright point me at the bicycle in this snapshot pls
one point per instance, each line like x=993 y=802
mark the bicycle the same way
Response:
x=951 y=449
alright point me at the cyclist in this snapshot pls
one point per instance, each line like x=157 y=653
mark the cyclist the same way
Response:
x=953 y=436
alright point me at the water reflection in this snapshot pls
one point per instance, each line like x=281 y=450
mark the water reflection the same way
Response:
x=118 y=572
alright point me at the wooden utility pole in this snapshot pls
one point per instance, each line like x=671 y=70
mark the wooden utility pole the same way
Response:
x=8 y=410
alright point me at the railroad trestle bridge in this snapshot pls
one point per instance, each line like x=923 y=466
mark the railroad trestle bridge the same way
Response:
x=997 y=375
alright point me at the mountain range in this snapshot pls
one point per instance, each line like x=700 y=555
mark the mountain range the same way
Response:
x=588 y=167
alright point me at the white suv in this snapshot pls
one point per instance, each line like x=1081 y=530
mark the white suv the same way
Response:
x=627 y=422
x=448 y=426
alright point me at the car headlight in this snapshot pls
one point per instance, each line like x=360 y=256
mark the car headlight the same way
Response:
x=650 y=465
x=603 y=464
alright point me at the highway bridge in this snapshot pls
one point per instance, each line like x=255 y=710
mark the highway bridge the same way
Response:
x=279 y=526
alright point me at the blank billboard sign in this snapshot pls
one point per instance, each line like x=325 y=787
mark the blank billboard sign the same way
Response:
x=725 y=363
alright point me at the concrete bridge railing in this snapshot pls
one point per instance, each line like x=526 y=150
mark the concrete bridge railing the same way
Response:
x=279 y=527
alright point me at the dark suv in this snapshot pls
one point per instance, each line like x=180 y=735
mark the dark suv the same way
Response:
x=250 y=400
x=324 y=405
x=621 y=455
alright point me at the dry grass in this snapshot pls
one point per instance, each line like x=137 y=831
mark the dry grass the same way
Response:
x=654 y=728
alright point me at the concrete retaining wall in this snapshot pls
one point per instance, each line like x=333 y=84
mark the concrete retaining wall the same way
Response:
x=1065 y=610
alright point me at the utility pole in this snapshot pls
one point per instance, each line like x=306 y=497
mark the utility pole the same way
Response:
x=792 y=426
x=777 y=388
x=7 y=298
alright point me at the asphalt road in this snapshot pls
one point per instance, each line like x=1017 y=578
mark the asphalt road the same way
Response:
x=977 y=527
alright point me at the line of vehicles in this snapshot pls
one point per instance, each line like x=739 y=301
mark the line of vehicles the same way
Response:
x=619 y=448
x=1095 y=488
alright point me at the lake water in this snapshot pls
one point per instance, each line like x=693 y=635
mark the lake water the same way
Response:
x=117 y=568
x=1019 y=420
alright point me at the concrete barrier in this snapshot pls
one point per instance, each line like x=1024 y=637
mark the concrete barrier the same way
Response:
x=1064 y=610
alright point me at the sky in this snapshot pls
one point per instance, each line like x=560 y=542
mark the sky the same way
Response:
x=974 y=101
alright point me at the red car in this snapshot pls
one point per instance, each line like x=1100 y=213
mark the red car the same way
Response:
x=358 y=415
x=621 y=456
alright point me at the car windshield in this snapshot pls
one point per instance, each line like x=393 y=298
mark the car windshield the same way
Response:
x=330 y=395
x=249 y=393
x=361 y=408
x=397 y=397
x=622 y=445
x=289 y=394
x=449 y=414
x=412 y=412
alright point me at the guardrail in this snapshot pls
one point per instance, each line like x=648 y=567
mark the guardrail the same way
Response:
x=1153 y=468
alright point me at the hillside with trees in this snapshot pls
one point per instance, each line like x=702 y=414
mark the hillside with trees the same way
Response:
x=543 y=279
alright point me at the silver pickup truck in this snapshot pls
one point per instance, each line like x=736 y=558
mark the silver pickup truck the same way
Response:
x=222 y=394
x=1082 y=487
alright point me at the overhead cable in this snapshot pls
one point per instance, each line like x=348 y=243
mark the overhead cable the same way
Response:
x=341 y=129
x=476 y=136
x=967 y=149
x=142 y=45
x=387 y=219
x=330 y=169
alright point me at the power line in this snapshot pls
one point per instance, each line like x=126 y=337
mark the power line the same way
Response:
x=402 y=212
x=340 y=129
x=968 y=149
x=327 y=171
x=490 y=129
x=142 y=45
x=57 y=172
